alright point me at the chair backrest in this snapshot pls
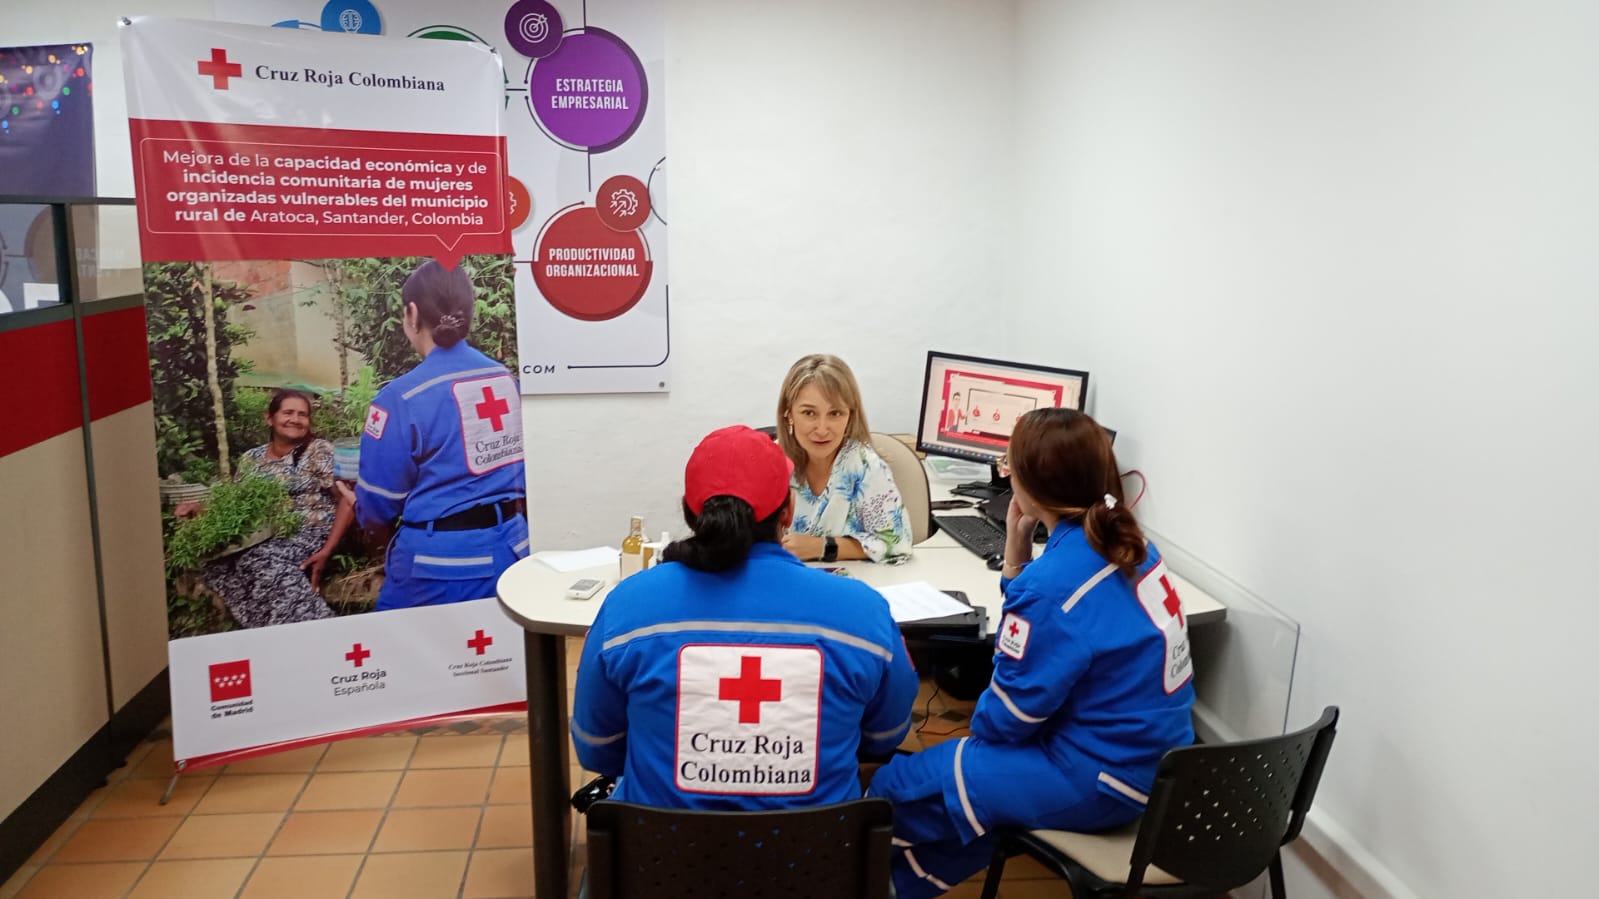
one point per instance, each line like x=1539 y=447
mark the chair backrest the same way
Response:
x=911 y=479
x=1218 y=813
x=838 y=851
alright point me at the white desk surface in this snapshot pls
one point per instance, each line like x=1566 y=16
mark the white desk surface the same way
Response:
x=534 y=594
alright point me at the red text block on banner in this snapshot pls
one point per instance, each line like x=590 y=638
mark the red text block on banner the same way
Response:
x=222 y=191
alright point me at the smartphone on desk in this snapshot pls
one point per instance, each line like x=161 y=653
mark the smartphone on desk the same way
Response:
x=584 y=588
x=839 y=570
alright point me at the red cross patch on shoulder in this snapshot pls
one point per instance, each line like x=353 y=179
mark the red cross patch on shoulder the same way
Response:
x=1013 y=631
x=377 y=418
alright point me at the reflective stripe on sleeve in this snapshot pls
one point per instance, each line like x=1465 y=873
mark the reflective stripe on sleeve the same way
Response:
x=592 y=740
x=1011 y=706
x=373 y=488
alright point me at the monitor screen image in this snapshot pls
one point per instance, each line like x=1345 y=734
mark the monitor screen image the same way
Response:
x=970 y=405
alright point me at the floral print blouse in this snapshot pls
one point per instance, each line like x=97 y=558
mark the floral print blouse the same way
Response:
x=310 y=482
x=860 y=501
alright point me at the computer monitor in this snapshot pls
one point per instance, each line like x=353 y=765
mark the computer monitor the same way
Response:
x=970 y=405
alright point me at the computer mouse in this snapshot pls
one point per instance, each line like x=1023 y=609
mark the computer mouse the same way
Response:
x=995 y=562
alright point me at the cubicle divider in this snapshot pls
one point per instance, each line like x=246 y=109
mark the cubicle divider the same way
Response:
x=83 y=652
x=1245 y=665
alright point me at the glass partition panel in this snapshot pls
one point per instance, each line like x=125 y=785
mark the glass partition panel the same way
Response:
x=27 y=258
x=107 y=240
x=1244 y=665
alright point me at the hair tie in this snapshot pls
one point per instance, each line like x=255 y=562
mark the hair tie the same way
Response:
x=1110 y=501
x=450 y=321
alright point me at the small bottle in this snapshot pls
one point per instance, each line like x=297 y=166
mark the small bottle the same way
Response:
x=632 y=559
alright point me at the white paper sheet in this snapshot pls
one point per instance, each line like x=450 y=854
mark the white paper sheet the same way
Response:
x=919 y=600
x=578 y=559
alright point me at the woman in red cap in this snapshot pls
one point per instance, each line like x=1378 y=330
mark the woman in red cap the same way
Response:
x=731 y=676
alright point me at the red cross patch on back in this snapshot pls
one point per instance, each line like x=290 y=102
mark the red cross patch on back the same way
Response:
x=748 y=718
x=491 y=422
x=1165 y=610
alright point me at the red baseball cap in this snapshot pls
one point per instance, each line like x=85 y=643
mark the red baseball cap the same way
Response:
x=742 y=462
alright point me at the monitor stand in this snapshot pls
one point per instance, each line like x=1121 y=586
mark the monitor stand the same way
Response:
x=995 y=486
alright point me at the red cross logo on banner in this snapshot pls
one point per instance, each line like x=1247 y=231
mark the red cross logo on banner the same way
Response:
x=749 y=690
x=480 y=642
x=220 y=69
x=493 y=409
x=358 y=654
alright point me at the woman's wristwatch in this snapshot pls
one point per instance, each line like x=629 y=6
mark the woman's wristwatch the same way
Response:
x=829 y=549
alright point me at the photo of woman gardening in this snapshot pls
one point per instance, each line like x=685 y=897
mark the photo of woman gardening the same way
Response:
x=278 y=581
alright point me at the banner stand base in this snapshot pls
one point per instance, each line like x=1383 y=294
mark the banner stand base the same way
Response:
x=166 y=795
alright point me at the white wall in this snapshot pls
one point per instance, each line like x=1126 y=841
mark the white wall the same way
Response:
x=1333 y=269
x=835 y=171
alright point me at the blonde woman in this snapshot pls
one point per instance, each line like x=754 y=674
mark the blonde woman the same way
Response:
x=846 y=504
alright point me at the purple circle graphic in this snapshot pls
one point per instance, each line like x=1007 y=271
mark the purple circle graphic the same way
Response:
x=533 y=28
x=590 y=93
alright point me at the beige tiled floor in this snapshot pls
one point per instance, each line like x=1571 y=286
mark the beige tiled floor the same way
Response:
x=442 y=815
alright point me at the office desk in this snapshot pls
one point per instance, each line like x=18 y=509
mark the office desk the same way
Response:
x=533 y=594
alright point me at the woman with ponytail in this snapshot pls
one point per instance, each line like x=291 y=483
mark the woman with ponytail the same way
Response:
x=441 y=480
x=1092 y=676
x=731 y=676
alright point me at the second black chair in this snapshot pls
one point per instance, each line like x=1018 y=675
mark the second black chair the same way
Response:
x=1216 y=818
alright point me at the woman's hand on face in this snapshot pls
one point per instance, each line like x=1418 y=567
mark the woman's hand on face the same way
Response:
x=1018 y=537
x=313 y=568
x=1018 y=521
x=805 y=547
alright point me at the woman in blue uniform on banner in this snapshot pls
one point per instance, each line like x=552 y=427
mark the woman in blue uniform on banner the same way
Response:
x=441 y=456
x=1092 y=675
x=731 y=676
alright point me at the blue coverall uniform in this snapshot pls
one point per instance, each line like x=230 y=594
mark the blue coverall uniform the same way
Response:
x=442 y=439
x=1092 y=685
x=747 y=689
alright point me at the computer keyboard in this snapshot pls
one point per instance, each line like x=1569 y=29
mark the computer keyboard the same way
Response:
x=974 y=532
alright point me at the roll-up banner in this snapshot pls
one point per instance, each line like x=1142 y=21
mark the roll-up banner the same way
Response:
x=289 y=182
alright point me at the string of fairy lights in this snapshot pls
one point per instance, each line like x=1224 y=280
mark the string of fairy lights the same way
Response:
x=41 y=81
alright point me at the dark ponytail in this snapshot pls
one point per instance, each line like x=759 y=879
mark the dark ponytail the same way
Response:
x=724 y=532
x=1064 y=460
x=444 y=299
x=1115 y=534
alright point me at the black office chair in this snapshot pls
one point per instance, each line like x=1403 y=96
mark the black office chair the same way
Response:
x=838 y=851
x=1217 y=817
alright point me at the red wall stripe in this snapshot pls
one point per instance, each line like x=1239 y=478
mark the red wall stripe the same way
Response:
x=118 y=359
x=40 y=365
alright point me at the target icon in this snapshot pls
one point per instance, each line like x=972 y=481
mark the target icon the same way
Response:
x=535 y=27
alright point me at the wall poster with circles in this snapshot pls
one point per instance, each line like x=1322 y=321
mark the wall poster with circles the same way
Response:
x=586 y=136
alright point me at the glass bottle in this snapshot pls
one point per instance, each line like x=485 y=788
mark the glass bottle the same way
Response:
x=632 y=560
